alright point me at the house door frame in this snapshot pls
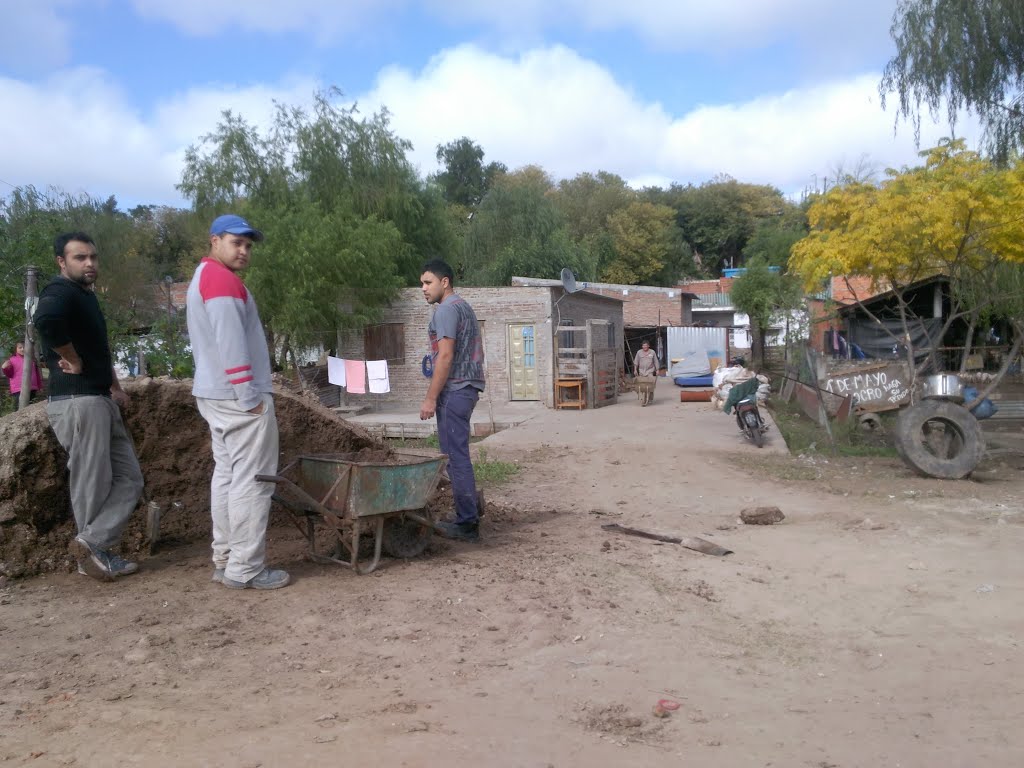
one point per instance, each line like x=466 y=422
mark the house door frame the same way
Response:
x=530 y=390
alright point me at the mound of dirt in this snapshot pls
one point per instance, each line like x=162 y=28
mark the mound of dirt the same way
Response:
x=173 y=445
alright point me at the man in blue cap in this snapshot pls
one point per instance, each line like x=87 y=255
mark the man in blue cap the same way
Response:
x=233 y=391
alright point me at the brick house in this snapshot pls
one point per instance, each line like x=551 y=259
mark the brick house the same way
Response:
x=518 y=325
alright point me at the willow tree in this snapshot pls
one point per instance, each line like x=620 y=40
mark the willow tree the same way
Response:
x=957 y=215
x=346 y=218
x=954 y=55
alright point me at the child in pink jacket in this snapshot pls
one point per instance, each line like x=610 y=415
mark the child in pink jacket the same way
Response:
x=13 y=369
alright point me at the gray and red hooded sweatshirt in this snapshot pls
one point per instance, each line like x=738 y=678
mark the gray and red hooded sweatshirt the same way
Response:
x=228 y=345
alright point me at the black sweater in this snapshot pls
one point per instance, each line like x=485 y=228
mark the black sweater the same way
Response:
x=69 y=312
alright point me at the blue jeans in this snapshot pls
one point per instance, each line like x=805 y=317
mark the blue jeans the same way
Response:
x=454 y=409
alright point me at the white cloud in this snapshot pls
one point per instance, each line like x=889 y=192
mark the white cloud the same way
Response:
x=682 y=24
x=77 y=132
x=568 y=114
x=548 y=106
x=34 y=35
x=323 y=20
x=669 y=24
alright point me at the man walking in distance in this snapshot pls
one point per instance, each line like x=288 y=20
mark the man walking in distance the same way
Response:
x=233 y=392
x=84 y=405
x=455 y=386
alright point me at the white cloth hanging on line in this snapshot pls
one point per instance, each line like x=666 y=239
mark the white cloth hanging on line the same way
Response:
x=336 y=371
x=377 y=373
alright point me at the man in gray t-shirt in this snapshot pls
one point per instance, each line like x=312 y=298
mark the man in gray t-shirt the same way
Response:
x=456 y=382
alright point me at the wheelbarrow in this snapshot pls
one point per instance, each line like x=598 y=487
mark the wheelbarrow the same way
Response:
x=349 y=497
x=645 y=388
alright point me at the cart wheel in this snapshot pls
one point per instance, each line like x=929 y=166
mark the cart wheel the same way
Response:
x=405 y=538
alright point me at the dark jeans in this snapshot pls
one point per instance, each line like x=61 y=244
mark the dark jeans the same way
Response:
x=454 y=409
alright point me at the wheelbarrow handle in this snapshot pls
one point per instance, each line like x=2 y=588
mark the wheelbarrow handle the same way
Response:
x=271 y=479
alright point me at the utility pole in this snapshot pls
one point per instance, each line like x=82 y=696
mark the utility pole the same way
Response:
x=172 y=352
x=31 y=300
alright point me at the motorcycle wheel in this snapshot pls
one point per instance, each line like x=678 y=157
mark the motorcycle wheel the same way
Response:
x=753 y=427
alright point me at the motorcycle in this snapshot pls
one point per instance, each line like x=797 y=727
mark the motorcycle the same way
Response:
x=748 y=417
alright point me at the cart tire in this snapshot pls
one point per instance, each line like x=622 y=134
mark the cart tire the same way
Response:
x=405 y=538
x=941 y=439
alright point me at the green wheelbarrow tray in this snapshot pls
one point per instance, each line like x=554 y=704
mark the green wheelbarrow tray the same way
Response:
x=348 y=496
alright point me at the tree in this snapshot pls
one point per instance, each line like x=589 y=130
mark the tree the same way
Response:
x=587 y=200
x=29 y=221
x=956 y=215
x=961 y=54
x=718 y=217
x=519 y=231
x=762 y=293
x=642 y=241
x=465 y=179
x=347 y=220
x=774 y=237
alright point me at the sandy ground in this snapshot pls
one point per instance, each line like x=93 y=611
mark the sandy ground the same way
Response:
x=877 y=625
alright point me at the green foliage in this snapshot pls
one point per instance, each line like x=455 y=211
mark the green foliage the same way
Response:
x=518 y=231
x=630 y=240
x=641 y=236
x=490 y=473
x=347 y=220
x=29 y=221
x=465 y=179
x=718 y=218
x=805 y=436
x=165 y=349
x=773 y=239
x=762 y=293
x=587 y=200
x=961 y=54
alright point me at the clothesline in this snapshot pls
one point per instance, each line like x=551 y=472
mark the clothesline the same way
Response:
x=354 y=374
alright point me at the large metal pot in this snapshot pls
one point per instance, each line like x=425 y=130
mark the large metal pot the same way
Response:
x=944 y=386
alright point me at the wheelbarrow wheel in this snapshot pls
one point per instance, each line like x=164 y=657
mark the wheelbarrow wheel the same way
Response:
x=405 y=538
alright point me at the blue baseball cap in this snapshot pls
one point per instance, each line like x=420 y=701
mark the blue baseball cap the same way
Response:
x=231 y=224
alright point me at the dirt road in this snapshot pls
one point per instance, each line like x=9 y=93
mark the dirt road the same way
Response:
x=878 y=625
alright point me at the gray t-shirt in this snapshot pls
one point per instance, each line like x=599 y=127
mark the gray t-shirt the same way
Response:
x=454 y=319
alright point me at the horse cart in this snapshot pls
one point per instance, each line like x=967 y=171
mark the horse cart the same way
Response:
x=345 y=496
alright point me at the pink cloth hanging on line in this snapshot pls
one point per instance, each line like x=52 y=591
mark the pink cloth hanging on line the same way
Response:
x=355 y=377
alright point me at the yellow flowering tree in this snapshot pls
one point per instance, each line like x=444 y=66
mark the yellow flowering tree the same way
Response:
x=956 y=215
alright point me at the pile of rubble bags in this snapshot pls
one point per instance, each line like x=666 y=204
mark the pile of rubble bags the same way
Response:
x=725 y=379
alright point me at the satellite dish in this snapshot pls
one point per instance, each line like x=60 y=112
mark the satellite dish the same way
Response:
x=569 y=281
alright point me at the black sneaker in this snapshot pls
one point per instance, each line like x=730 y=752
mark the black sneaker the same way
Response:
x=459 y=531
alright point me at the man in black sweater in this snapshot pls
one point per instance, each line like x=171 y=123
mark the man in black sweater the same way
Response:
x=84 y=409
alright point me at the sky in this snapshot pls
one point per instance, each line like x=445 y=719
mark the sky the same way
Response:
x=105 y=96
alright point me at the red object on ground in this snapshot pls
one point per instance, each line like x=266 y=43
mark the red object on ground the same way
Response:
x=668 y=705
x=695 y=395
